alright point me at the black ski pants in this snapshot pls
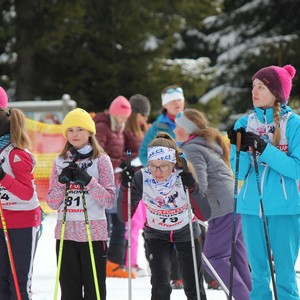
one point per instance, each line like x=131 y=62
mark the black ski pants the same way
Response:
x=76 y=275
x=160 y=254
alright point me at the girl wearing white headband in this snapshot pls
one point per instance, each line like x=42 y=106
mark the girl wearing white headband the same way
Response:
x=161 y=186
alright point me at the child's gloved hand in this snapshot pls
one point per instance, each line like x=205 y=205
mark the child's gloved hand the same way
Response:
x=81 y=177
x=127 y=176
x=187 y=179
x=250 y=139
x=66 y=175
x=231 y=134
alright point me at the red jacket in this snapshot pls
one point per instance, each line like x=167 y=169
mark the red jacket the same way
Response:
x=20 y=185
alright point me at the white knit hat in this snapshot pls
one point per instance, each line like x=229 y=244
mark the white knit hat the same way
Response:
x=171 y=94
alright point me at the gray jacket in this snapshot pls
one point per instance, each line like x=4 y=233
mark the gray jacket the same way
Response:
x=214 y=176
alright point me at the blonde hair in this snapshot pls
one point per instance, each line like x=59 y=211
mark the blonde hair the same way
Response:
x=209 y=134
x=133 y=126
x=276 y=116
x=15 y=122
x=96 y=152
x=163 y=139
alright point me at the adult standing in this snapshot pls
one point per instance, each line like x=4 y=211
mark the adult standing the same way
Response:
x=110 y=126
x=273 y=131
x=206 y=149
x=135 y=129
x=172 y=99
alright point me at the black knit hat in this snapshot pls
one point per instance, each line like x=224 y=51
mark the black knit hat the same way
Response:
x=140 y=104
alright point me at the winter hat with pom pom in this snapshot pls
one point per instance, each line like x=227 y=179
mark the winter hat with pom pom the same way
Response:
x=3 y=98
x=278 y=80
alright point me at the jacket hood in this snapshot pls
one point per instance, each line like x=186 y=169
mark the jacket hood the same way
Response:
x=102 y=117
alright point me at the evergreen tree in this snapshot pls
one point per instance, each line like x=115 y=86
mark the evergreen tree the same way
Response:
x=247 y=36
x=96 y=50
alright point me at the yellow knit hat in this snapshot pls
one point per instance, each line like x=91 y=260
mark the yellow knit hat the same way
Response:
x=78 y=117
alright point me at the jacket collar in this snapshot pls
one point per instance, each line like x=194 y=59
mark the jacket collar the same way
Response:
x=266 y=116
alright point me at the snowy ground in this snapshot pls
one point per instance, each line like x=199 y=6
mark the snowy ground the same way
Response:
x=45 y=272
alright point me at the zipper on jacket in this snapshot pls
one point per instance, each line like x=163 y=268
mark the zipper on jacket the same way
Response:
x=246 y=186
x=283 y=186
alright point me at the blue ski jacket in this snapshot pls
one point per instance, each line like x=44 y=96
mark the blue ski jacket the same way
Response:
x=279 y=172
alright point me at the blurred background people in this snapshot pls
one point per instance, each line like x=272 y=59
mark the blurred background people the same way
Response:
x=135 y=129
x=110 y=126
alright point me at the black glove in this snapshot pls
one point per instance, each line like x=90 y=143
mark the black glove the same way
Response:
x=2 y=173
x=127 y=176
x=231 y=133
x=66 y=175
x=250 y=139
x=123 y=165
x=81 y=177
x=187 y=179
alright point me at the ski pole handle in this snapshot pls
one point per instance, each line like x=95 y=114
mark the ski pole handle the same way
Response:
x=238 y=141
x=128 y=158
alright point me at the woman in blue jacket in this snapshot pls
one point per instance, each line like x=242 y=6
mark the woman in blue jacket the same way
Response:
x=172 y=102
x=273 y=130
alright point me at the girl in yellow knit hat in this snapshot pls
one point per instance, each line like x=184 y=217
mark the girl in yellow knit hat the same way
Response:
x=82 y=172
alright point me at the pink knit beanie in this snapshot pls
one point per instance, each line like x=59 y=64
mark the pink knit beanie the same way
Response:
x=278 y=80
x=120 y=107
x=3 y=98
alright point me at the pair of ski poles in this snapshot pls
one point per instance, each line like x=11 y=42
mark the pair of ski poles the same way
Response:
x=62 y=233
x=9 y=249
x=238 y=147
x=204 y=258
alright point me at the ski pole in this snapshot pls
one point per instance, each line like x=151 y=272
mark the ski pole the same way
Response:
x=184 y=166
x=236 y=181
x=216 y=275
x=61 y=241
x=10 y=254
x=8 y=245
x=212 y=269
x=128 y=164
x=88 y=231
x=264 y=223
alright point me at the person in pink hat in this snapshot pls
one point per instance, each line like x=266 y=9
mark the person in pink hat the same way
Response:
x=110 y=126
x=3 y=98
x=269 y=166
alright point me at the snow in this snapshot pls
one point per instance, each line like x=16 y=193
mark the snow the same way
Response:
x=44 y=273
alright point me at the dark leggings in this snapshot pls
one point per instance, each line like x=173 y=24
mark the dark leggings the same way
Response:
x=76 y=270
x=160 y=254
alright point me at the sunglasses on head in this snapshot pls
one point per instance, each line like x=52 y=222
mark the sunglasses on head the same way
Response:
x=173 y=90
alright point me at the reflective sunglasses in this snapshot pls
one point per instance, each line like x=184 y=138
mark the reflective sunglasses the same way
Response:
x=173 y=90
